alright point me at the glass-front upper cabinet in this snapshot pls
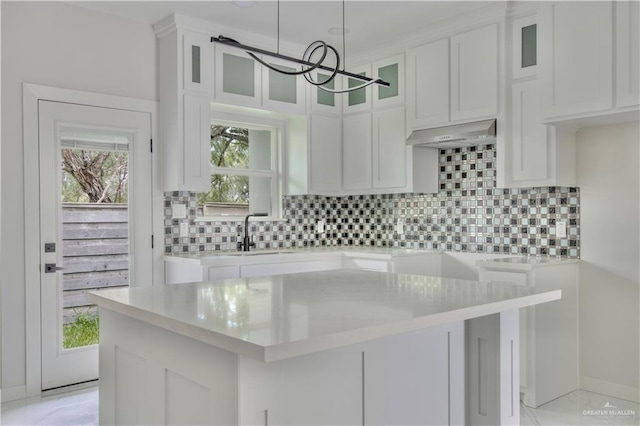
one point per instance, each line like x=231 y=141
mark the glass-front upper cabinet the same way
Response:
x=323 y=101
x=390 y=70
x=525 y=47
x=359 y=99
x=238 y=77
x=282 y=92
x=197 y=62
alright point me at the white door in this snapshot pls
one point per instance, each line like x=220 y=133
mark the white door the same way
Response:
x=88 y=130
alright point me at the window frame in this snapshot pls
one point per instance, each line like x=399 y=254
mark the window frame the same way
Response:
x=278 y=129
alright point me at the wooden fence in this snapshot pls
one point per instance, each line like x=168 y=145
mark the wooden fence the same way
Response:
x=95 y=253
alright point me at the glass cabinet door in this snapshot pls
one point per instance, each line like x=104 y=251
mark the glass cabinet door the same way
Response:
x=282 y=92
x=525 y=47
x=360 y=99
x=238 y=77
x=390 y=70
x=323 y=101
x=198 y=63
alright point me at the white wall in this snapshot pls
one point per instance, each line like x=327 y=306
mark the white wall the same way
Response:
x=608 y=177
x=62 y=45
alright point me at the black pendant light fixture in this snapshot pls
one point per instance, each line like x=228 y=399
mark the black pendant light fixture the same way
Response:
x=318 y=49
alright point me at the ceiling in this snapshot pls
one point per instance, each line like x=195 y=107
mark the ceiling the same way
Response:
x=369 y=23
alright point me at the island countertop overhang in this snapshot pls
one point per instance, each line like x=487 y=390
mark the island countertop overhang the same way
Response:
x=283 y=316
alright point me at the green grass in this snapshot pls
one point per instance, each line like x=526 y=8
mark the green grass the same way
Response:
x=83 y=331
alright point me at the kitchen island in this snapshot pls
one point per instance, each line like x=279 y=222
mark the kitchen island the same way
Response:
x=331 y=347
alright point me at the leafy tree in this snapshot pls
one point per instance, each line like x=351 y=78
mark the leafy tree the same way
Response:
x=94 y=176
x=229 y=148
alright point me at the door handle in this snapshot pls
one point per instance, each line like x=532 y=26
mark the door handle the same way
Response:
x=50 y=268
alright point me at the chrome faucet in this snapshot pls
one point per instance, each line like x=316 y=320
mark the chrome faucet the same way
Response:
x=246 y=241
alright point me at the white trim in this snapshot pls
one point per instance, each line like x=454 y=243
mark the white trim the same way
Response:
x=14 y=393
x=31 y=94
x=615 y=390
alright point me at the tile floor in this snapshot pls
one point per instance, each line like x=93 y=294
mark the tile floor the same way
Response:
x=80 y=407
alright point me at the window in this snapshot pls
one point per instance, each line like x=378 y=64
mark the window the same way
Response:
x=245 y=162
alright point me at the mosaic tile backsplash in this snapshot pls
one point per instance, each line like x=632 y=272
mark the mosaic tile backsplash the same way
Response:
x=468 y=214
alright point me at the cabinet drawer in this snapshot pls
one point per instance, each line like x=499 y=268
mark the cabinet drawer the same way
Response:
x=223 y=272
x=282 y=268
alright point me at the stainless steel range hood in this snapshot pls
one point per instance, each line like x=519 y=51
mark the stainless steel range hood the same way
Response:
x=455 y=136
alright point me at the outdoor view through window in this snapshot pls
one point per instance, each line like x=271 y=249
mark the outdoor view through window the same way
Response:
x=243 y=175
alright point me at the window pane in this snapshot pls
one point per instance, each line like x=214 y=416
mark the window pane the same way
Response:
x=529 y=46
x=236 y=196
x=238 y=148
x=195 y=64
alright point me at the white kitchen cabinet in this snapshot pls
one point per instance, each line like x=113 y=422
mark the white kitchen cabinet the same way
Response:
x=535 y=154
x=454 y=79
x=474 y=74
x=576 y=57
x=238 y=78
x=430 y=364
x=548 y=332
x=389 y=148
x=428 y=71
x=325 y=153
x=185 y=91
x=627 y=53
x=375 y=144
x=221 y=272
x=356 y=147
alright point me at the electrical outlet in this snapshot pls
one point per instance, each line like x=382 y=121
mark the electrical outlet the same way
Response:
x=400 y=227
x=179 y=211
x=320 y=227
x=184 y=229
x=561 y=229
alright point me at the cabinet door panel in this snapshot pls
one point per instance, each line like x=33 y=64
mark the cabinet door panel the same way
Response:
x=528 y=138
x=197 y=54
x=428 y=73
x=325 y=153
x=360 y=99
x=576 y=57
x=627 y=53
x=474 y=74
x=390 y=70
x=356 y=148
x=196 y=161
x=389 y=149
x=238 y=78
x=283 y=92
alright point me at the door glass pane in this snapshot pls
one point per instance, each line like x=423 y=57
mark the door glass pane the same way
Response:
x=390 y=75
x=282 y=87
x=324 y=97
x=238 y=75
x=195 y=64
x=529 y=46
x=359 y=96
x=95 y=234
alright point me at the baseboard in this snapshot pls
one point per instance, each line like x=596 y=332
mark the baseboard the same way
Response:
x=610 y=389
x=14 y=393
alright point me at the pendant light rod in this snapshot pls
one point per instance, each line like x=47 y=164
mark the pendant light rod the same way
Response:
x=233 y=43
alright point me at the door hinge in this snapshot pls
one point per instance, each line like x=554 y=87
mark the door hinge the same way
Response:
x=151 y=145
x=151 y=241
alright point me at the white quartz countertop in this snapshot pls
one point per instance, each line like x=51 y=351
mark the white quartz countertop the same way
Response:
x=522 y=263
x=278 y=317
x=224 y=257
